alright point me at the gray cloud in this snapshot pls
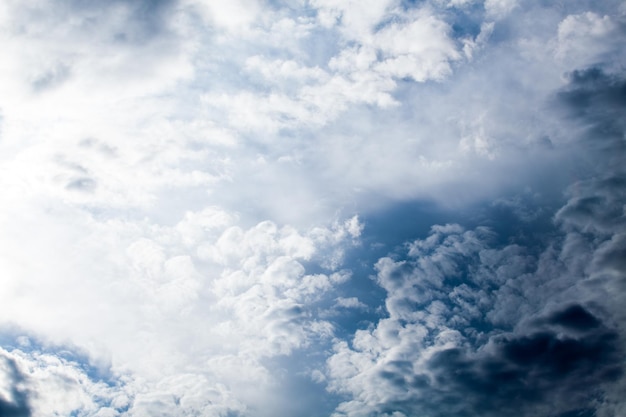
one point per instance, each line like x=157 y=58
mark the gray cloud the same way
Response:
x=480 y=329
x=47 y=380
x=135 y=21
x=52 y=78
x=459 y=342
x=17 y=405
x=541 y=373
x=82 y=184
x=574 y=317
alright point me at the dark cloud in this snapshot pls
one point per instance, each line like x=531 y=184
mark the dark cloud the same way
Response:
x=533 y=327
x=17 y=405
x=556 y=358
x=546 y=367
x=543 y=373
x=530 y=331
x=524 y=374
x=574 y=317
x=10 y=409
x=595 y=100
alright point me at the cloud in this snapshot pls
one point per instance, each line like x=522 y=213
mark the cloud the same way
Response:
x=276 y=130
x=477 y=328
x=415 y=46
x=542 y=373
x=205 y=295
x=587 y=38
x=195 y=196
x=351 y=302
x=14 y=401
x=233 y=16
x=499 y=8
x=574 y=317
x=40 y=383
x=457 y=342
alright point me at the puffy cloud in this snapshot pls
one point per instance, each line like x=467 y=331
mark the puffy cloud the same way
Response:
x=350 y=302
x=38 y=383
x=190 y=312
x=499 y=8
x=458 y=341
x=586 y=38
x=286 y=113
x=383 y=45
x=180 y=180
x=234 y=16
x=477 y=328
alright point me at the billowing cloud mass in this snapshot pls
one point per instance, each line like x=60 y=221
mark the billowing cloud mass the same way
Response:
x=312 y=208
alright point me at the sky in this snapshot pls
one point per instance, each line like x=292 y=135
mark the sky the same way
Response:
x=312 y=208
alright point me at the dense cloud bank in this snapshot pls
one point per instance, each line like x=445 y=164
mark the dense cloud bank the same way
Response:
x=235 y=209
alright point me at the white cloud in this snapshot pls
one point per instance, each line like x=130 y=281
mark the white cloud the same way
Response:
x=356 y=19
x=37 y=383
x=180 y=181
x=283 y=69
x=585 y=38
x=234 y=16
x=498 y=9
x=416 y=46
x=204 y=296
x=350 y=302
x=229 y=118
x=419 y=49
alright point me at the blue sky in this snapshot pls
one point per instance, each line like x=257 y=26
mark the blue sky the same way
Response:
x=312 y=208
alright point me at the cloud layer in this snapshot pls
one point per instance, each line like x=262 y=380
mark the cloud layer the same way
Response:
x=312 y=208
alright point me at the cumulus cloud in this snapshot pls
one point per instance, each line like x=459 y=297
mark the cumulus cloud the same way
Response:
x=286 y=113
x=474 y=328
x=37 y=383
x=233 y=297
x=478 y=330
x=190 y=193
x=585 y=39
